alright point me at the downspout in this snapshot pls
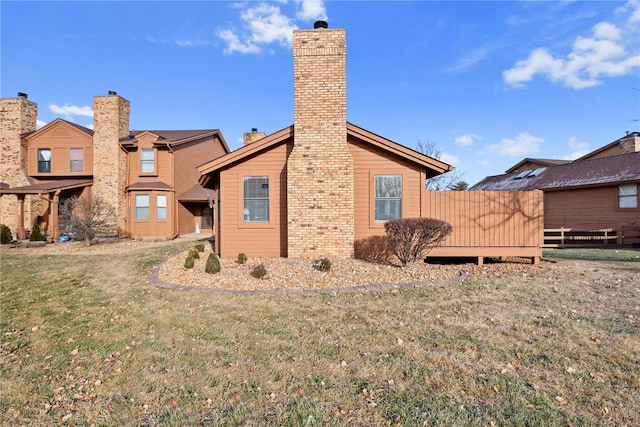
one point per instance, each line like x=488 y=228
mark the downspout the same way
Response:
x=127 y=217
x=174 y=204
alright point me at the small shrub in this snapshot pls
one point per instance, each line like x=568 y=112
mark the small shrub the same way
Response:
x=324 y=265
x=242 y=258
x=5 y=234
x=410 y=239
x=213 y=264
x=200 y=247
x=189 y=262
x=259 y=271
x=36 y=233
x=193 y=253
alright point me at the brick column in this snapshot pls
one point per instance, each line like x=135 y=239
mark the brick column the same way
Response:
x=320 y=168
x=17 y=117
x=110 y=123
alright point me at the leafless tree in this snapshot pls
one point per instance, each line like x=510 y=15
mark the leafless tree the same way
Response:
x=84 y=218
x=444 y=182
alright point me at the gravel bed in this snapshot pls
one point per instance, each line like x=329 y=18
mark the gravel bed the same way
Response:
x=283 y=274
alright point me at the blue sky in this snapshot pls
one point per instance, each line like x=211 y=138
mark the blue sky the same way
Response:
x=488 y=83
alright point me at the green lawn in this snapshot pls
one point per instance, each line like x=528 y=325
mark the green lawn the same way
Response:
x=87 y=341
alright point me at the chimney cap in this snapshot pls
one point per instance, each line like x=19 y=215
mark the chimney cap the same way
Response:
x=112 y=92
x=254 y=130
x=22 y=95
x=320 y=24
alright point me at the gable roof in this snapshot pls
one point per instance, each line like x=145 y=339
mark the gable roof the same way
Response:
x=543 y=162
x=174 y=138
x=57 y=122
x=610 y=170
x=287 y=133
x=608 y=146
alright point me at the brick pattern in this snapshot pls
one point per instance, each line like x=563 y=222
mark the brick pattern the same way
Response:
x=320 y=184
x=630 y=144
x=110 y=123
x=17 y=117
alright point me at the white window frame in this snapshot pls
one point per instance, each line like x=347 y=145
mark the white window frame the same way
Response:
x=161 y=207
x=628 y=196
x=251 y=212
x=42 y=160
x=76 y=165
x=382 y=200
x=142 y=206
x=145 y=162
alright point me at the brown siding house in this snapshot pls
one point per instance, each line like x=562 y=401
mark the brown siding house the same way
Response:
x=325 y=187
x=149 y=177
x=597 y=191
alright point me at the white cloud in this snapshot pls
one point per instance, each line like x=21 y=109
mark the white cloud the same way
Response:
x=468 y=139
x=449 y=158
x=579 y=148
x=40 y=123
x=311 y=10
x=590 y=60
x=473 y=57
x=266 y=23
x=523 y=143
x=68 y=111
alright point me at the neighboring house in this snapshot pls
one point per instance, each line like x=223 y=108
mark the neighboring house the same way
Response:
x=596 y=191
x=325 y=187
x=149 y=177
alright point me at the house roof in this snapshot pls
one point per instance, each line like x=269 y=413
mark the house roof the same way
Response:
x=352 y=130
x=175 y=138
x=606 y=147
x=48 y=187
x=590 y=172
x=52 y=123
x=197 y=193
x=154 y=185
x=544 y=162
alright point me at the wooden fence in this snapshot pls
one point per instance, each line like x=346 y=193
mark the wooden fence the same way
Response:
x=488 y=223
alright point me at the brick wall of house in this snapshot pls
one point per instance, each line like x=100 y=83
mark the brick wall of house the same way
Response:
x=320 y=187
x=17 y=117
x=630 y=144
x=110 y=123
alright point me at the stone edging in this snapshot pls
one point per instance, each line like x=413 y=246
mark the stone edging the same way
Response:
x=153 y=278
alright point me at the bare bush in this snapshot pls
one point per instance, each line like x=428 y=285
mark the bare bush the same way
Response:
x=84 y=218
x=411 y=239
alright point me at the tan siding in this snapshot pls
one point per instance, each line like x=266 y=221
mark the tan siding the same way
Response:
x=368 y=162
x=60 y=138
x=588 y=208
x=269 y=240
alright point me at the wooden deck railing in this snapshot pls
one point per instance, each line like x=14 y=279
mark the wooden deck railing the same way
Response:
x=562 y=237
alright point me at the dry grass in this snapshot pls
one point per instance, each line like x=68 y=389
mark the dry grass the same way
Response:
x=87 y=341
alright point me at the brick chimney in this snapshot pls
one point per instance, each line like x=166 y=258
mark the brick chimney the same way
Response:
x=320 y=192
x=17 y=117
x=110 y=124
x=253 y=136
x=630 y=143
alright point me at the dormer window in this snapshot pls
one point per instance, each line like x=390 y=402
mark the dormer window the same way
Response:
x=44 y=160
x=147 y=161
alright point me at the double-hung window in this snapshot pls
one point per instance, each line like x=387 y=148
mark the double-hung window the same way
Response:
x=388 y=197
x=44 y=160
x=255 y=198
x=147 y=160
x=142 y=206
x=161 y=206
x=76 y=157
x=628 y=196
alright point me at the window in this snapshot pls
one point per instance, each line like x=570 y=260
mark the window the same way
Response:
x=628 y=196
x=147 y=160
x=142 y=206
x=161 y=207
x=76 y=156
x=256 y=198
x=388 y=197
x=44 y=160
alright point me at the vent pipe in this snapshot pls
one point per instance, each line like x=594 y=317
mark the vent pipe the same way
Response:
x=22 y=95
